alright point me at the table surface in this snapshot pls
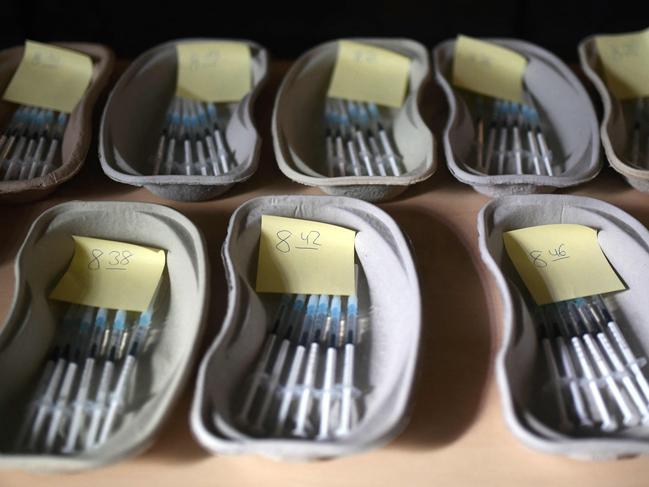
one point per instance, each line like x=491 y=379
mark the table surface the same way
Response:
x=456 y=435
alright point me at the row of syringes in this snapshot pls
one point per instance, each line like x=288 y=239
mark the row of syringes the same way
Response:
x=638 y=151
x=303 y=384
x=596 y=378
x=73 y=408
x=512 y=141
x=357 y=142
x=193 y=141
x=30 y=145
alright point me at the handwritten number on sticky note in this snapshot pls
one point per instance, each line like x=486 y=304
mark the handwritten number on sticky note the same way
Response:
x=480 y=60
x=50 y=77
x=559 y=253
x=488 y=68
x=623 y=58
x=556 y=254
x=559 y=262
x=369 y=73
x=118 y=260
x=362 y=56
x=213 y=70
x=310 y=239
x=90 y=279
x=206 y=60
x=307 y=240
x=94 y=264
x=305 y=256
x=283 y=245
x=624 y=51
x=47 y=60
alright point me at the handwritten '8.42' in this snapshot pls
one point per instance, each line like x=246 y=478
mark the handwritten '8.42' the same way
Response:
x=542 y=258
x=288 y=242
x=114 y=260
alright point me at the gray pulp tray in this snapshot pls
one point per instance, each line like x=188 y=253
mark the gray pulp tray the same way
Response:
x=134 y=116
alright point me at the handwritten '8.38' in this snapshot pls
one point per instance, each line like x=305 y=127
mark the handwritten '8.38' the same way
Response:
x=115 y=260
x=551 y=255
x=307 y=241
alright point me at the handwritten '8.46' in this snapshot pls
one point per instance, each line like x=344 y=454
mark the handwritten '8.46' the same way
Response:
x=542 y=258
x=287 y=242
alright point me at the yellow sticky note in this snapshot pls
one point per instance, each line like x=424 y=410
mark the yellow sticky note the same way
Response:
x=489 y=69
x=50 y=77
x=213 y=71
x=370 y=74
x=560 y=262
x=625 y=59
x=305 y=257
x=108 y=274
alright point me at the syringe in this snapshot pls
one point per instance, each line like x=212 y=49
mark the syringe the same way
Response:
x=581 y=328
x=376 y=153
x=503 y=135
x=92 y=355
x=546 y=155
x=618 y=337
x=262 y=363
x=138 y=342
x=359 y=121
x=164 y=139
x=333 y=120
x=491 y=137
x=57 y=137
x=206 y=122
x=296 y=365
x=545 y=335
x=577 y=394
x=44 y=394
x=201 y=130
x=534 y=156
x=115 y=352
x=330 y=146
x=347 y=136
x=7 y=139
x=515 y=120
x=350 y=337
x=78 y=350
x=601 y=412
x=29 y=170
x=310 y=372
x=590 y=316
x=24 y=133
x=329 y=371
x=388 y=149
x=221 y=146
x=280 y=359
x=187 y=136
x=173 y=135
x=37 y=133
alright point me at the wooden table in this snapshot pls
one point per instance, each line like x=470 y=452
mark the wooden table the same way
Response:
x=456 y=435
